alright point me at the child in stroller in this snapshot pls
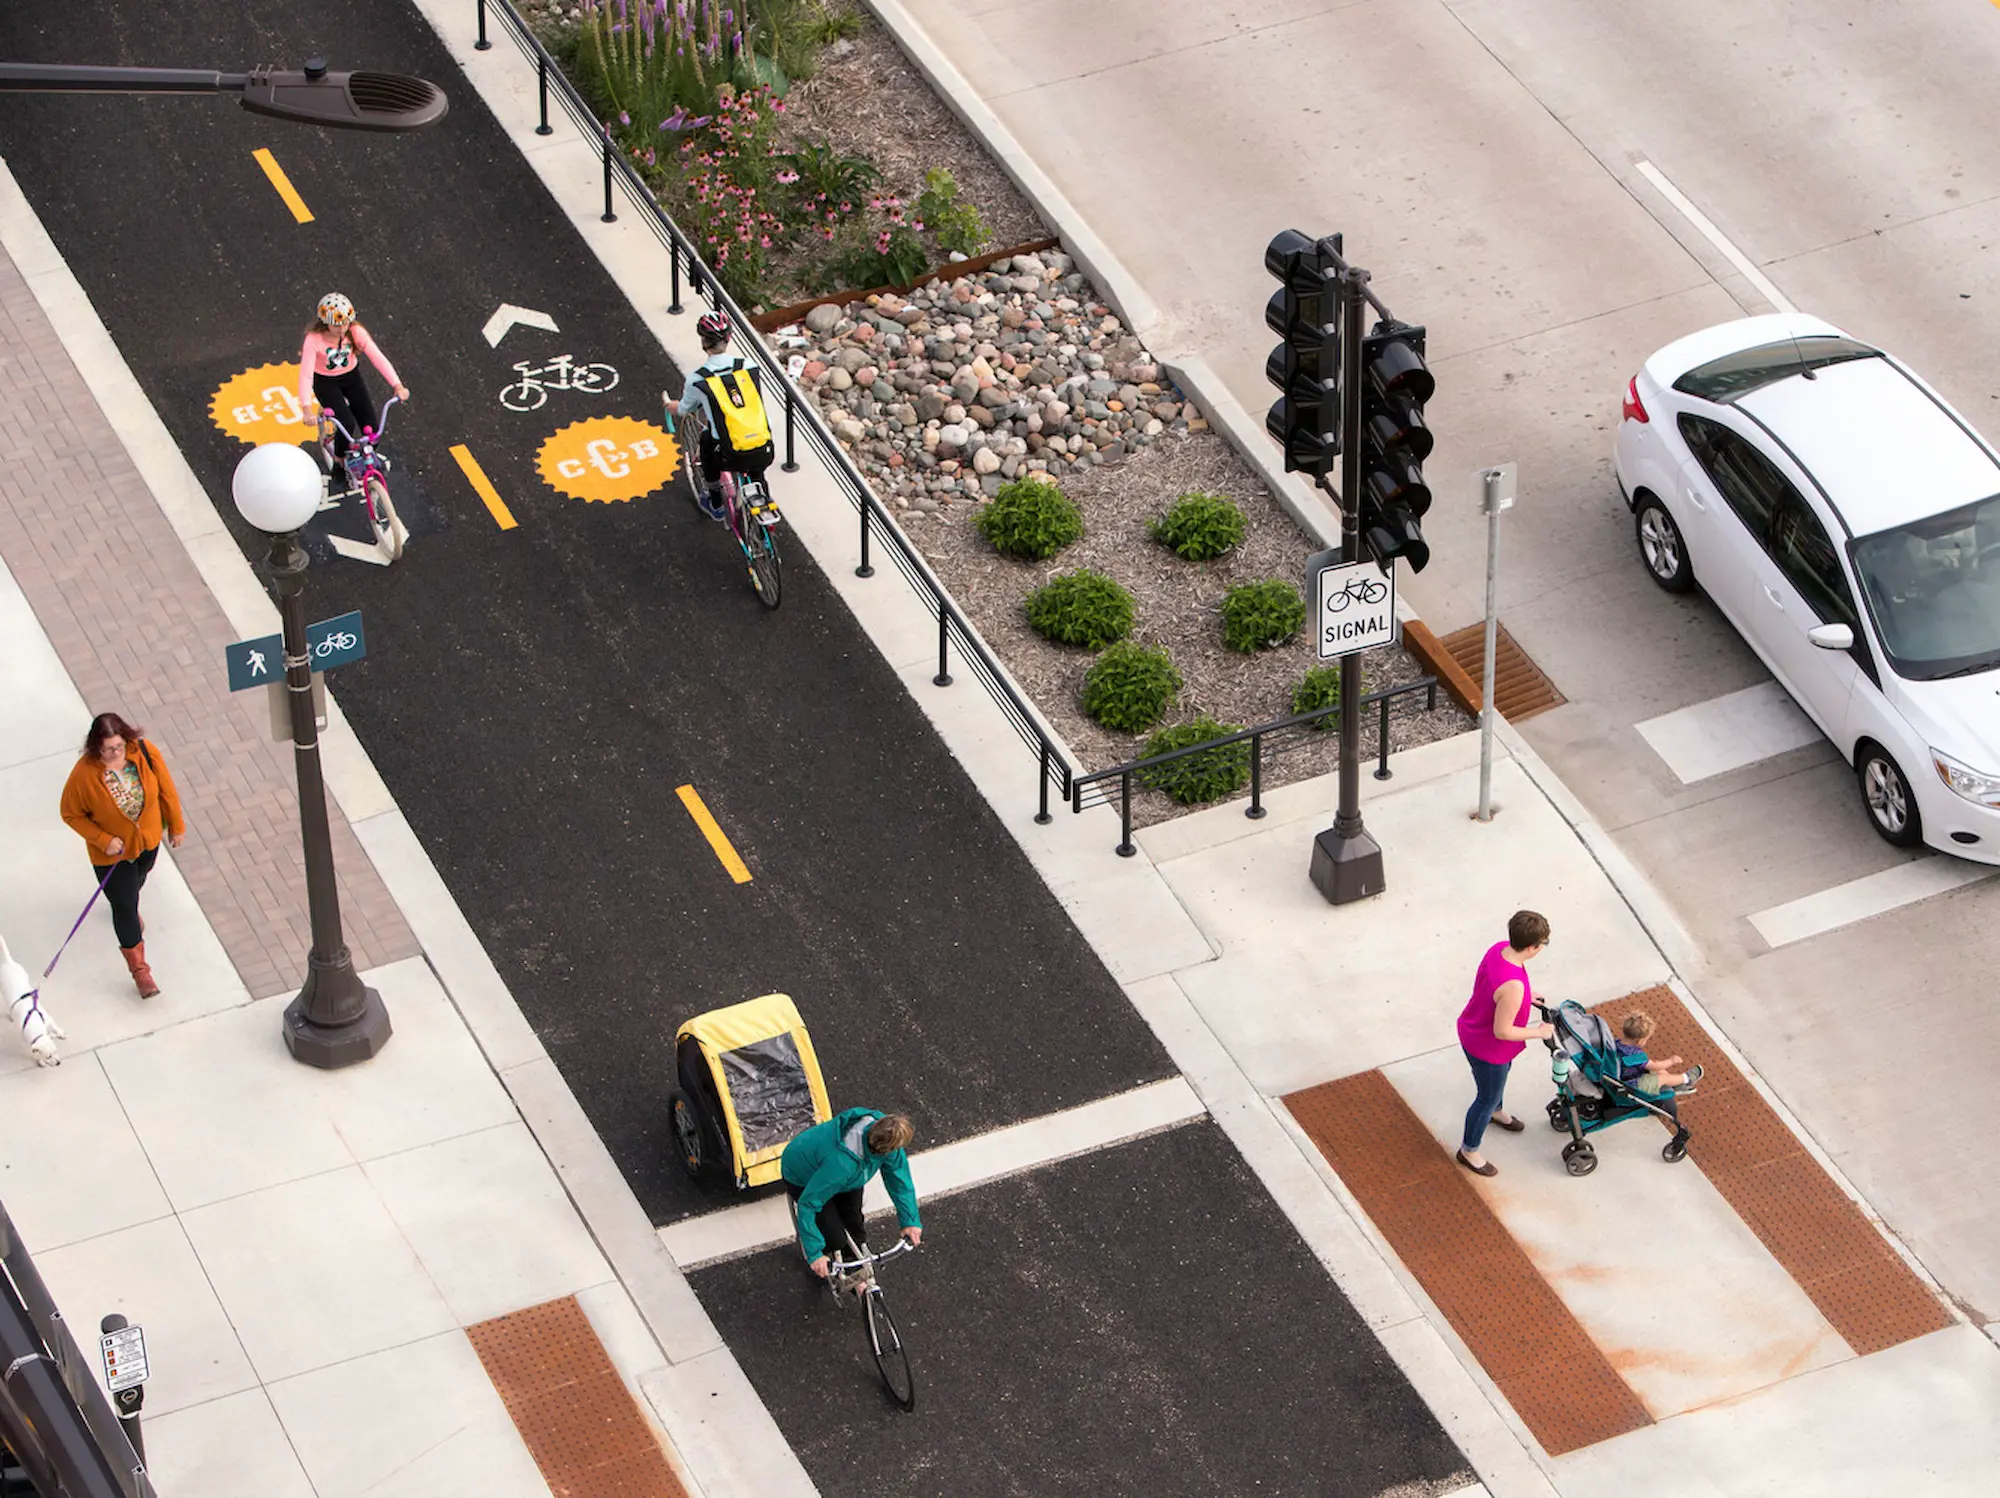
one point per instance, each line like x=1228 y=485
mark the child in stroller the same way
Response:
x=1601 y=1082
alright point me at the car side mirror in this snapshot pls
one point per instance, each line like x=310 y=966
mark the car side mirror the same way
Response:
x=1832 y=636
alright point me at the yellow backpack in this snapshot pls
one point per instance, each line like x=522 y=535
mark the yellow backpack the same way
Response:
x=738 y=402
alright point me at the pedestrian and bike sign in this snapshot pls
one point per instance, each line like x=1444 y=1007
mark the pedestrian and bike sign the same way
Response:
x=1357 y=608
x=331 y=642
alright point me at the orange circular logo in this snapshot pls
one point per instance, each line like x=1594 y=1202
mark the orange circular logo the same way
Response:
x=262 y=405
x=608 y=459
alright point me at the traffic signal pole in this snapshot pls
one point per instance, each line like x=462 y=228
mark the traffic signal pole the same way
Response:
x=1346 y=859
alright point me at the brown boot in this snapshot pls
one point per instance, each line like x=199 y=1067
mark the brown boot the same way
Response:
x=142 y=976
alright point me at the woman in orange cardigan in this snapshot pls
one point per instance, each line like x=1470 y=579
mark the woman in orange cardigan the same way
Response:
x=121 y=800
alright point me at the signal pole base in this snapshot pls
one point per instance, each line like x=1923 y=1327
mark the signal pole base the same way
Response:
x=1346 y=868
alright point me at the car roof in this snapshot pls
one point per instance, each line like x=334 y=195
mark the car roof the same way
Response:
x=1677 y=358
x=1882 y=447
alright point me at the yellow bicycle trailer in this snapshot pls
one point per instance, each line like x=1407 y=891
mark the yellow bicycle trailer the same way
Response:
x=749 y=1084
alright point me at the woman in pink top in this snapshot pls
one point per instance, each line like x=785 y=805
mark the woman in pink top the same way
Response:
x=330 y=372
x=1493 y=1029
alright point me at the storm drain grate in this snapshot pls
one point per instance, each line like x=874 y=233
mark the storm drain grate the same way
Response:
x=1810 y=1226
x=579 y=1421
x=1520 y=690
x=1563 y=1388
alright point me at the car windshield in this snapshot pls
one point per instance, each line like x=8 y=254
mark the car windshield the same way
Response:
x=1751 y=369
x=1934 y=589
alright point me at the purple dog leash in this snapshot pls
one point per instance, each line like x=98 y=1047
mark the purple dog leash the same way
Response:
x=79 y=920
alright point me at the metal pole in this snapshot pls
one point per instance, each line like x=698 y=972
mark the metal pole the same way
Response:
x=608 y=217
x=542 y=78
x=866 y=569
x=1490 y=500
x=1346 y=861
x=675 y=305
x=791 y=463
x=482 y=44
x=943 y=678
x=1043 y=816
x=336 y=1020
x=1125 y=848
x=1256 y=777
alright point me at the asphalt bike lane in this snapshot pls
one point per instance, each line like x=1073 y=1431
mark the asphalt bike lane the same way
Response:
x=1140 y=1321
x=536 y=696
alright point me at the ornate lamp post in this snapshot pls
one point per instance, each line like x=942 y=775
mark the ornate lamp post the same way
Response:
x=336 y=1020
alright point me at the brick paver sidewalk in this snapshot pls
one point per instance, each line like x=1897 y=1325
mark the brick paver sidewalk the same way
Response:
x=140 y=634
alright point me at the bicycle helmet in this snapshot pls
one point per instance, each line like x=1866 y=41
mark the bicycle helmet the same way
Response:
x=335 y=310
x=713 y=327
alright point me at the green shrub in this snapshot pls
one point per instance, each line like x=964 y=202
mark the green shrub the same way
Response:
x=825 y=173
x=956 y=225
x=1199 y=527
x=1195 y=778
x=1081 y=608
x=1029 y=518
x=1318 y=688
x=889 y=257
x=1256 y=616
x=1130 y=686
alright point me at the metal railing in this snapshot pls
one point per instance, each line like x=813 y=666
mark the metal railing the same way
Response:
x=53 y=1415
x=1097 y=789
x=953 y=628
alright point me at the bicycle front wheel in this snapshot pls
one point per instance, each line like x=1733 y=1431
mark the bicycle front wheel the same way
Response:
x=892 y=1359
x=389 y=532
x=593 y=379
x=762 y=553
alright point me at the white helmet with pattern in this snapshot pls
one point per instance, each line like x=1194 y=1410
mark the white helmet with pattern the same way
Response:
x=335 y=310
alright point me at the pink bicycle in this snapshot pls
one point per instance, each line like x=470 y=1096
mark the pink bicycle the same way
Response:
x=367 y=474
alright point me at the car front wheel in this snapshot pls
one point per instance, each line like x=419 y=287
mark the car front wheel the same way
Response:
x=1892 y=809
x=1661 y=546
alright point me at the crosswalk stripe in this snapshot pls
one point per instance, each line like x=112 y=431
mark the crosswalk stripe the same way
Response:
x=1858 y=899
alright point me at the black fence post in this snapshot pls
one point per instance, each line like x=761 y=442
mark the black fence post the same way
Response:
x=1256 y=777
x=609 y=216
x=674 y=249
x=943 y=678
x=482 y=44
x=1125 y=847
x=1382 y=770
x=1042 y=816
x=865 y=569
x=791 y=463
x=542 y=78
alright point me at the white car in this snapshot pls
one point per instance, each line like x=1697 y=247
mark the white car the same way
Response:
x=1847 y=521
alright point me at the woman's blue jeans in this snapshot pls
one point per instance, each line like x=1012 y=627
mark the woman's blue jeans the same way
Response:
x=1490 y=1077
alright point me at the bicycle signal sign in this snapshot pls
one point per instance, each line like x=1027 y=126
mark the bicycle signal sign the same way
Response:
x=1357 y=608
x=339 y=641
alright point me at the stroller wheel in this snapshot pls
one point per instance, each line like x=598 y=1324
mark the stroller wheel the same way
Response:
x=691 y=1137
x=1579 y=1159
x=1675 y=1149
x=1558 y=1116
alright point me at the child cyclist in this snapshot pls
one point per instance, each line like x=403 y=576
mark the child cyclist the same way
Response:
x=727 y=395
x=330 y=372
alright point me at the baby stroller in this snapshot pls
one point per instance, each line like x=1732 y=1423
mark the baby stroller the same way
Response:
x=1583 y=1060
x=749 y=1082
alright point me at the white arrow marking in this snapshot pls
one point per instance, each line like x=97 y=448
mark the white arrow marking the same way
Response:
x=502 y=322
x=358 y=551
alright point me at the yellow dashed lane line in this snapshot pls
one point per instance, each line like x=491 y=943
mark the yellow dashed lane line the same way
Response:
x=284 y=185
x=738 y=870
x=483 y=487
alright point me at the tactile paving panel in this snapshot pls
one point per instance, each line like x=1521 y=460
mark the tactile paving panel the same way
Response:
x=1813 y=1228
x=1520 y=689
x=1562 y=1387
x=581 y=1424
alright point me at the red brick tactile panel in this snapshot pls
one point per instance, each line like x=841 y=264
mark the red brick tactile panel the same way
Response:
x=1809 y=1225
x=1562 y=1387
x=137 y=629
x=580 y=1423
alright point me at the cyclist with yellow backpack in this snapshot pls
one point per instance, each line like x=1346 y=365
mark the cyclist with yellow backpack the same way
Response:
x=724 y=391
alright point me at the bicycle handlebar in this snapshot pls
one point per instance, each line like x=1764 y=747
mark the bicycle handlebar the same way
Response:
x=903 y=1246
x=326 y=415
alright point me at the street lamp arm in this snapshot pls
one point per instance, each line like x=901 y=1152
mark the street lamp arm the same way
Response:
x=312 y=96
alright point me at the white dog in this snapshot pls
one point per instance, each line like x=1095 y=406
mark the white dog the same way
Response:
x=24 y=1007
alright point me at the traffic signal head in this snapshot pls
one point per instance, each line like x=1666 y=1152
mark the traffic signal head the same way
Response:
x=1305 y=419
x=1395 y=383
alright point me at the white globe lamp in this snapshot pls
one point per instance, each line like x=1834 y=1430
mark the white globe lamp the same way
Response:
x=277 y=487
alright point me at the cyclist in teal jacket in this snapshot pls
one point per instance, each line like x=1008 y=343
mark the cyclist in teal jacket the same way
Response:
x=825 y=1168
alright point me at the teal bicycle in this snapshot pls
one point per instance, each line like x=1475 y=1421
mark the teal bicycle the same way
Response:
x=747 y=509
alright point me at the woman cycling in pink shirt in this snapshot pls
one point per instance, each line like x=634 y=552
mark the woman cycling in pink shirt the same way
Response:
x=330 y=374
